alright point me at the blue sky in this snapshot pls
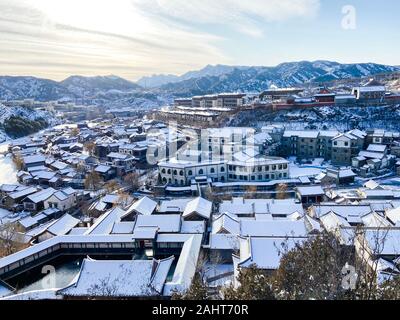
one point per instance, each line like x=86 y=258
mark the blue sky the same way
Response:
x=133 y=38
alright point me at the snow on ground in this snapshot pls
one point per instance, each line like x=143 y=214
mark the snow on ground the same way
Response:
x=8 y=173
x=296 y=171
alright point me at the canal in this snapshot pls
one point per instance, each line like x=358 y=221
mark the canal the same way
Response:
x=61 y=271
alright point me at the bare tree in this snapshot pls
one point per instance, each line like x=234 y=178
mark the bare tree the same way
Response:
x=18 y=162
x=133 y=180
x=93 y=181
x=90 y=147
x=11 y=239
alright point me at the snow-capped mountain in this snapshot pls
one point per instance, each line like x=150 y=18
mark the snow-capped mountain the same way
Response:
x=159 y=80
x=92 y=86
x=16 y=88
x=254 y=79
x=113 y=91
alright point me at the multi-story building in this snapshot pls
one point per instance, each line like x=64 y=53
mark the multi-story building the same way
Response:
x=346 y=146
x=230 y=100
x=325 y=143
x=372 y=92
x=302 y=144
x=242 y=168
x=183 y=102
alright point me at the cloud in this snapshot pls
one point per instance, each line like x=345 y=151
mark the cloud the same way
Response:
x=238 y=14
x=131 y=38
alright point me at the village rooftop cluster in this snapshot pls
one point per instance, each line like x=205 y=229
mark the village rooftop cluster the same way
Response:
x=220 y=199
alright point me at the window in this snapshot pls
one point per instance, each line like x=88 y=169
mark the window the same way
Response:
x=346 y=144
x=163 y=171
x=222 y=169
x=260 y=177
x=253 y=178
x=190 y=172
x=175 y=172
x=335 y=143
x=169 y=171
x=201 y=171
x=181 y=173
x=212 y=170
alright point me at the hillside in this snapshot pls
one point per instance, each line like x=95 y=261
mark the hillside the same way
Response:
x=16 y=122
x=116 y=92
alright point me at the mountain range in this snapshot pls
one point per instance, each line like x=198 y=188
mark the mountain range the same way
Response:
x=160 y=89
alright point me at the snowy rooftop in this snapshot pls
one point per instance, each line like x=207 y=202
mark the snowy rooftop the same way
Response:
x=165 y=223
x=274 y=228
x=144 y=206
x=199 y=206
x=120 y=278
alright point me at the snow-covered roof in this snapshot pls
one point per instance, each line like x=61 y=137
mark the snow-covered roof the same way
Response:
x=105 y=223
x=41 y=195
x=226 y=223
x=273 y=228
x=144 y=206
x=383 y=241
x=377 y=148
x=265 y=253
x=371 y=155
x=63 y=225
x=193 y=227
x=125 y=227
x=37 y=158
x=175 y=205
x=374 y=220
x=186 y=266
x=301 y=134
x=23 y=193
x=310 y=191
x=238 y=206
x=132 y=278
x=102 y=168
x=110 y=198
x=342 y=210
x=164 y=223
x=372 y=185
x=199 y=206
x=224 y=242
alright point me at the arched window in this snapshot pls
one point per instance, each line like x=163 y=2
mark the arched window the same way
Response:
x=190 y=172
x=201 y=171
x=163 y=171
x=222 y=169
x=212 y=170
x=164 y=180
x=175 y=172
x=169 y=171
x=181 y=173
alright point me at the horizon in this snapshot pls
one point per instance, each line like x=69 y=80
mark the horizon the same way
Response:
x=136 y=38
x=182 y=74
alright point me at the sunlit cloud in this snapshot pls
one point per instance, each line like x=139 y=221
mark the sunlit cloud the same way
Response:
x=130 y=38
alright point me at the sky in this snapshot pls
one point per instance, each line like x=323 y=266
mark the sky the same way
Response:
x=133 y=38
